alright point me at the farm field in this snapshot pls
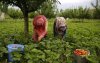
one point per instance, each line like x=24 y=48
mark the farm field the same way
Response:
x=80 y=35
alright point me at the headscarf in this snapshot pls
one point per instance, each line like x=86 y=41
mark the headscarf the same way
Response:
x=40 y=27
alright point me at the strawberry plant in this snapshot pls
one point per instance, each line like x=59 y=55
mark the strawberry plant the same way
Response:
x=84 y=35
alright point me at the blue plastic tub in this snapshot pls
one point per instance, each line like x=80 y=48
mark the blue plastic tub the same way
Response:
x=14 y=48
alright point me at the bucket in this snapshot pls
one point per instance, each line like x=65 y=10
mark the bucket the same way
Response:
x=14 y=48
x=80 y=56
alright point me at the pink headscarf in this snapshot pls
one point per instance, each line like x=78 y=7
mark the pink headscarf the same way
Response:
x=40 y=27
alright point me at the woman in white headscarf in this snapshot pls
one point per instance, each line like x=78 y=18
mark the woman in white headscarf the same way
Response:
x=60 y=27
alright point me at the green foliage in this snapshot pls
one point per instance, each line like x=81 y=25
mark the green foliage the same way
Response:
x=97 y=13
x=48 y=9
x=80 y=13
x=14 y=13
x=33 y=14
x=3 y=7
x=51 y=50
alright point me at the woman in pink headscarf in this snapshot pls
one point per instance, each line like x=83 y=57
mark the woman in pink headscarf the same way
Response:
x=40 y=27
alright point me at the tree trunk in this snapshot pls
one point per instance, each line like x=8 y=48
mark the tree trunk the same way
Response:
x=26 y=30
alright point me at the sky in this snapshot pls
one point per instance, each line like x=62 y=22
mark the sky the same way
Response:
x=74 y=3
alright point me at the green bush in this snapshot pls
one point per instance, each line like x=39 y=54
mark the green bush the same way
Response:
x=15 y=13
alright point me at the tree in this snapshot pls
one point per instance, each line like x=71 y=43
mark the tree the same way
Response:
x=83 y=13
x=26 y=7
x=96 y=5
x=49 y=8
